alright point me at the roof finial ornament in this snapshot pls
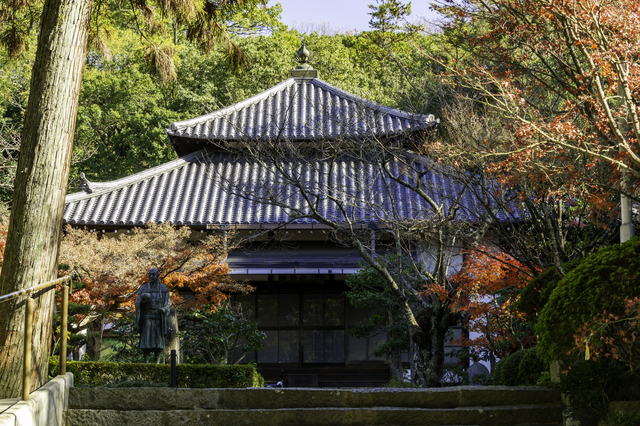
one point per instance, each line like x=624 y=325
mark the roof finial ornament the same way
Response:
x=304 y=70
x=86 y=185
x=303 y=55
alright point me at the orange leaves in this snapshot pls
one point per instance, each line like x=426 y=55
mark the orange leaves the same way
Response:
x=487 y=271
x=613 y=336
x=483 y=285
x=113 y=268
x=554 y=70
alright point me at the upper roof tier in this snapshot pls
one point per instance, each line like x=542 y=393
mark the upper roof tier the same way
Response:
x=299 y=108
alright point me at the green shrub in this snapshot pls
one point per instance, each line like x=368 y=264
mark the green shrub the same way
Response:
x=531 y=367
x=600 y=282
x=589 y=385
x=520 y=368
x=537 y=292
x=188 y=375
x=506 y=370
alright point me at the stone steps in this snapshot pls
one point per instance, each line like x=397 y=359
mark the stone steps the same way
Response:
x=497 y=416
x=466 y=405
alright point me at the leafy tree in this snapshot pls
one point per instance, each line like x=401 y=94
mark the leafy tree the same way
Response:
x=112 y=269
x=367 y=289
x=35 y=222
x=488 y=283
x=541 y=209
x=219 y=335
x=536 y=293
x=122 y=116
x=564 y=76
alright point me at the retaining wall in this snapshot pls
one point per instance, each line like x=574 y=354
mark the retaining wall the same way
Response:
x=44 y=408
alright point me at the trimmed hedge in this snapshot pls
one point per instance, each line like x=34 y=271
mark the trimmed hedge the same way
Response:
x=531 y=367
x=188 y=375
x=600 y=282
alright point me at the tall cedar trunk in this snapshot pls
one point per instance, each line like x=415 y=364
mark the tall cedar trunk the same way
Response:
x=40 y=185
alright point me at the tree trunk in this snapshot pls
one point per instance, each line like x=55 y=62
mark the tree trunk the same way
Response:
x=40 y=186
x=429 y=338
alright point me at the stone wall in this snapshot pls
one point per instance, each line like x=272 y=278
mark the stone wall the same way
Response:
x=44 y=408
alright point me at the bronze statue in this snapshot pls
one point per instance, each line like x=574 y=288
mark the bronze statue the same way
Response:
x=152 y=315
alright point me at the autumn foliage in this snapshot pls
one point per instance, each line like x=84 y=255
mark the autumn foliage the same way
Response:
x=564 y=77
x=487 y=284
x=111 y=269
x=611 y=336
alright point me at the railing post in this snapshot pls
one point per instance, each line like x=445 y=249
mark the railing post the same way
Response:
x=62 y=367
x=28 y=338
x=174 y=357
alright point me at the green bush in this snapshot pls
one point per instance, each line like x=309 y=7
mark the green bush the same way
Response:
x=537 y=292
x=188 y=375
x=531 y=367
x=589 y=385
x=599 y=283
x=520 y=368
x=506 y=370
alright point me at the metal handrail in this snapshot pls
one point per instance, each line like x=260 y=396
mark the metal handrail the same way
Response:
x=18 y=293
x=28 y=328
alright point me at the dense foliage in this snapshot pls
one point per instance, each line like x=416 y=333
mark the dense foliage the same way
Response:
x=188 y=375
x=523 y=367
x=488 y=282
x=565 y=78
x=601 y=282
x=222 y=335
x=536 y=293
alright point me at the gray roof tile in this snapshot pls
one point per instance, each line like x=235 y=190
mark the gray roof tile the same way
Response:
x=298 y=109
x=213 y=188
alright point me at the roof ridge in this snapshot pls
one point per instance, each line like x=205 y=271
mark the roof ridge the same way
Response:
x=178 y=125
x=238 y=105
x=114 y=185
x=378 y=106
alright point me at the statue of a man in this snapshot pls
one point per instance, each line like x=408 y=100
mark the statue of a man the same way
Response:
x=152 y=315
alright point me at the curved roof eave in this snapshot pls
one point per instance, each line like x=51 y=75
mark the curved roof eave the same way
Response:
x=320 y=111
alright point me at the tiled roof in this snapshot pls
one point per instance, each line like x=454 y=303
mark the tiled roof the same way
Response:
x=296 y=109
x=214 y=188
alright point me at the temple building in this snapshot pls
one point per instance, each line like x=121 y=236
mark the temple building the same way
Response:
x=213 y=186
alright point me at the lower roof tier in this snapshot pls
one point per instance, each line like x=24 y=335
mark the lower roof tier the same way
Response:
x=217 y=189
